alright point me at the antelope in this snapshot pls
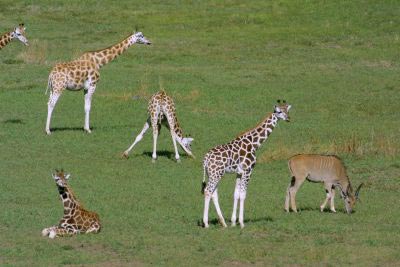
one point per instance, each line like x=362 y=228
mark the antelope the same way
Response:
x=328 y=169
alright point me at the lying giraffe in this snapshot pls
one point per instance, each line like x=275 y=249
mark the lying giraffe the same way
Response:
x=237 y=156
x=76 y=218
x=17 y=33
x=161 y=109
x=83 y=73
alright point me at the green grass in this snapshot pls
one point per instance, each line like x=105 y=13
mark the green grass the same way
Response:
x=225 y=63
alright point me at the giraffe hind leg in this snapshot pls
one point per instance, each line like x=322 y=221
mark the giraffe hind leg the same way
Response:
x=54 y=96
x=94 y=228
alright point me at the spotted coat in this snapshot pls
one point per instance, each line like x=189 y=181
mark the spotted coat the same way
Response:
x=76 y=218
x=237 y=156
x=83 y=73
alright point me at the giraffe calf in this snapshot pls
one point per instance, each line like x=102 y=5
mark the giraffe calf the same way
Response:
x=76 y=218
x=161 y=109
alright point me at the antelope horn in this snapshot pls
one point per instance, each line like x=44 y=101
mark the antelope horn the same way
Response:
x=358 y=190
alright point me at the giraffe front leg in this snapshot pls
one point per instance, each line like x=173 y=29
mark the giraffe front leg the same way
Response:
x=88 y=103
x=46 y=231
x=175 y=147
x=55 y=231
x=235 y=201
x=242 y=196
x=54 y=95
x=137 y=139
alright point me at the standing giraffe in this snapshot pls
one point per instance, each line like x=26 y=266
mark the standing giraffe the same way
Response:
x=83 y=73
x=18 y=32
x=237 y=156
x=76 y=218
x=161 y=110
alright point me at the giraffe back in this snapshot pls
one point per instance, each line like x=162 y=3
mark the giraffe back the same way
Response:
x=163 y=106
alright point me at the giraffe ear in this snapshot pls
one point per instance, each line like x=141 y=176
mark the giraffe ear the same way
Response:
x=67 y=176
x=288 y=107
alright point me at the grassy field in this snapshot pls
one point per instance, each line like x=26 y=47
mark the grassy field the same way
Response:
x=225 y=63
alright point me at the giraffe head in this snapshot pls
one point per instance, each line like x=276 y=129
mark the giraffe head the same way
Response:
x=139 y=38
x=185 y=143
x=282 y=110
x=60 y=178
x=19 y=33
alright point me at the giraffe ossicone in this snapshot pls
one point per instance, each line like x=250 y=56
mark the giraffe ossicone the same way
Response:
x=76 y=218
x=17 y=33
x=237 y=156
x=161 y=109
x=83 y=73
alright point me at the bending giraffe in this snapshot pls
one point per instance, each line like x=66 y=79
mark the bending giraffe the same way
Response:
x=17 y=33
x=237 y=156
x=76 y=218
x=161 y=110
x=83 y=73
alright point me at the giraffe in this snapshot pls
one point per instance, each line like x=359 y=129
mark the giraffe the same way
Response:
x=18 y=32
x=161 y=109
x=83 y=73
x=76 y=218
x=237 y=156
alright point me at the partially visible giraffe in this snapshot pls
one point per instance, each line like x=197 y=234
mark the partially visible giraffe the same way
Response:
x=76 y=218
x=161 y=110
x=83 y=73
x=237 y=156
x=17 y=33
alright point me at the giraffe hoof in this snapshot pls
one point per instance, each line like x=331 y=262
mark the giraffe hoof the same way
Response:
x=153 y=160
x=88 y=131
x=241 y=226
x=48 y=132
x=178 y=160
x=52 y=234
x=45 y=232
x=333 y=210
x=125 y=155
x=233 y=224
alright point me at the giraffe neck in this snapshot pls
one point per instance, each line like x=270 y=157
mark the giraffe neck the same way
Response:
x=178 y=130
x=104 y=56
x=70 y=203
x=261 y=132
x=5 y=39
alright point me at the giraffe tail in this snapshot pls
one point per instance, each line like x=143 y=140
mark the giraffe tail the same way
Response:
x=48 y=84
x=204 y=184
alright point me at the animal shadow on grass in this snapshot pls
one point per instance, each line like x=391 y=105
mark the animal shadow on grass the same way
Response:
x=215 y=221
x=164 y=153
x=104 y=128
x=13 y=121
x=316 y=209
x=62 y=129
